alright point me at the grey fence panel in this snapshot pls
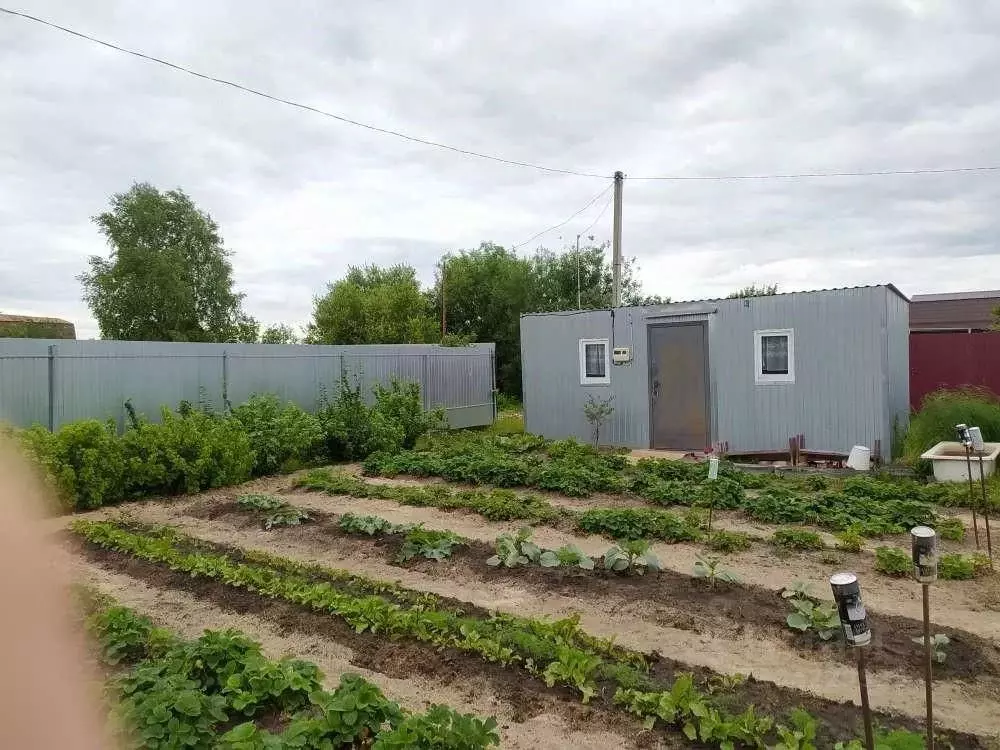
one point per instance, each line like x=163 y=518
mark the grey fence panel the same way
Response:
x=54 y=382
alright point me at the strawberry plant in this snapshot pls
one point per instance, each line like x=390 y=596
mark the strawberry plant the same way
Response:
x=440 y=728
x=728 y=541
x=959 y=567
x=631 y=557
x=850 y=540
x=796 y=539
x=893 y=561
x=637 y=523
x=428 y=543
x=710 y=568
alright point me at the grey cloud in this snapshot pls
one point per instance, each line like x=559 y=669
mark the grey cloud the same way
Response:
x=738 y=87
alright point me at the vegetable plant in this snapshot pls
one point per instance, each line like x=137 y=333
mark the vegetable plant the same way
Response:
x=370 y=525
x=631 y=557
x=807 y=616
x=575 y=668
x=285 y=515
x=710 y=568
x=434 y=545
x=799 y=590
x=893 y=561
x=259 y=502
x=939 y=646
x=959 y=567
x=951 y=529
x=441 y=728
x=570 y=555
x=797 y=539
x=518 y=549
x=728 y=541
x=850 y=540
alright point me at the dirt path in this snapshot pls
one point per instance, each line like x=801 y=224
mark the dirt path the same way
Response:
x=189 y=615
x=965 y=706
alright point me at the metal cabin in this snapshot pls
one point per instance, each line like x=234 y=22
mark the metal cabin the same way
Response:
x=832 y=365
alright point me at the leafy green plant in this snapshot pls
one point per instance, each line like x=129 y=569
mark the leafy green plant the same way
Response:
x=797 y=539
x=951 y=529
x=800 y=736
x=597 y=411
x=400 y=404
x=370 y=525
x=513 y=550
x=285 y=515
x=570 y=555
x=959 y=567
x=441 y=728
x=849 y=540
x=799 y=590
x=893 y=561
x=259 y=502
x=574 y=668
x=728 y=541
x=428 y=543
x=632 y=556
x=939 y=646
x=637 y=523
x=710 y=568
x=352 y=430
x=281 y=435
x=807 y=616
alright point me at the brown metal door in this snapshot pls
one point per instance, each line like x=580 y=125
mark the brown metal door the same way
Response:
x=678 y=379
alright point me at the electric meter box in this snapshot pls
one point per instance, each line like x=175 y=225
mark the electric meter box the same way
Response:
x=621 y=355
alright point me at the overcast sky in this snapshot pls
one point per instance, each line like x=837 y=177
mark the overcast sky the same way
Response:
x=651 y=88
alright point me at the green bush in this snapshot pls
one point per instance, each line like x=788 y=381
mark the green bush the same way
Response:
x=281 y=435
x=401 y=405
x=893 y=561
x=187 y=452
x=352 y=429
x=83 y=461
x=850 y=540
x=797 y=539
x=958 y=567
x=942 y=410
x=728 y=541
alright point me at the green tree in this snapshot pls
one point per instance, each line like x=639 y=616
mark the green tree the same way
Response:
x=279 y=333
x=168 y=277
x=764 y=290
x=373 y=305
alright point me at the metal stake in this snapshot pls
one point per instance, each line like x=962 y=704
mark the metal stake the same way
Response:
x=866 y=709
x=928 y=662
x=986 y=508
x=972 y=497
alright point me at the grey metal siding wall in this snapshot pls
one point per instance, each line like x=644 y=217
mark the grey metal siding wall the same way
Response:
x=92 y=379
x=897 y=334
x=840 y=396
x=553 y=396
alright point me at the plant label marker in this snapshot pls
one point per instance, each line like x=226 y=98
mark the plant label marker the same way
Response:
x=713 y=468
x=924 y=545
x=965 y=438
x=976 y=438
x=858 y=634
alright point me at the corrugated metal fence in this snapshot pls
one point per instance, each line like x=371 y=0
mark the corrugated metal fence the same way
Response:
x=953 y=360
x=52 y=382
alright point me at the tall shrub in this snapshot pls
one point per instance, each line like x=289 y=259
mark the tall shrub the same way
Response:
x=943 y=409
x=401 y=404
x=281 y=435
x=187 y=452
x=352 y=429
x=83 y=460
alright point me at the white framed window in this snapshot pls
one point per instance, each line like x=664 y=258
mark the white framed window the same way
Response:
x=595 y=362
x=774 y=356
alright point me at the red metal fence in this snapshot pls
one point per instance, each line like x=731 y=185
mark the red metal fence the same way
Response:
x=953 y=360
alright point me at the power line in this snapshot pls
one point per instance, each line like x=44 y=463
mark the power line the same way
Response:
x=808 y=175
x=607 y=203
x=290 y=103
x=566 y=221
x=477 y=154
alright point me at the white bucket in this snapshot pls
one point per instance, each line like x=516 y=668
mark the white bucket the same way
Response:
x=860 y=458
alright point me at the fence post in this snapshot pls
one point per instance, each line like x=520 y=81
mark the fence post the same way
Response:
x=493 y=382
x=53 y=354
x=225 y=380
x=426 y=383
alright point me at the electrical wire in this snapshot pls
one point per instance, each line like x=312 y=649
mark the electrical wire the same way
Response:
x=586 y=232
x=308 y=108
x=810 y=175
x=566 y=221
x=476 y=154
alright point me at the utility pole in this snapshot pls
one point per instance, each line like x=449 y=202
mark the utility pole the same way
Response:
x=444 y=317
x=578 y=305
x=616 y=244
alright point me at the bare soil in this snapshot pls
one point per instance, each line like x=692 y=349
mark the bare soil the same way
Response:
x=647 y=624
x=681 y=601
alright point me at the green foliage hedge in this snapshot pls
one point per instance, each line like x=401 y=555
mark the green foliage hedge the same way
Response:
x=90 y=465
x=942 y=410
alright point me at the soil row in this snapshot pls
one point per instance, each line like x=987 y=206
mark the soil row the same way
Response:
x=528 y=718
x=640 y=625
x=408 y=657
x=727 y=610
